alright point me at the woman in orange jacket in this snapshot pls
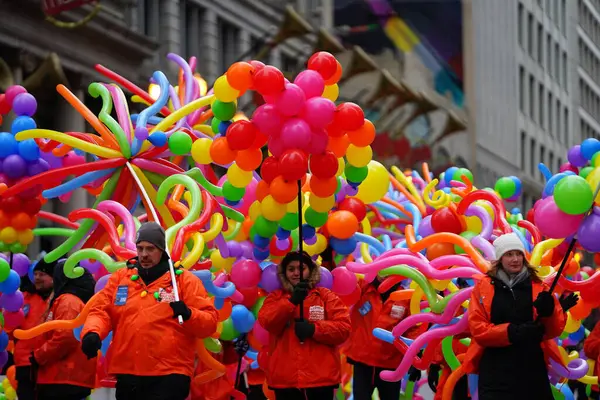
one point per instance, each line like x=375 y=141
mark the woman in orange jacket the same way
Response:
x=35 y=304
x=303 y=359
x=64 y=372
x=151 y=353
x=370 y=355
x=513 y=320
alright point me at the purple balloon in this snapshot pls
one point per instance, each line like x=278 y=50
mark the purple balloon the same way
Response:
x=14 y=166
x=24 y=104
x=55 y=162
x=326 y=279
x=588 y=233
x=425 y=228
x=37 y=167
x=311 y=240
x=3 y=358
x=12 y=302
x=91 y=267
x=575 y=158
x=101 y=283
x=269 y=280
x=235 y=249
x=20 y=264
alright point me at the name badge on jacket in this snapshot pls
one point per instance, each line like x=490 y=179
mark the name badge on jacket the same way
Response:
x=121 y=297
x=365 y=308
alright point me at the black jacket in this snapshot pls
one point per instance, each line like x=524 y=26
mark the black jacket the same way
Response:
x=82 y=287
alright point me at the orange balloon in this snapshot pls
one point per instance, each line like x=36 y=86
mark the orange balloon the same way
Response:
x=268 y=392
x=338 y=145
x=342 y=224
x=11 y=373
x=239 y=75
x=581 y=310
x=254 y=343
x=572 y=267
x=262 y=190
x=364 y=135
x=225 y=311
x=283 y=191
x=20 y=221
x=335 y=77
x=437 y=250
x=220 y=151
x=323 y=187
x=247 y=225
x=249 y=160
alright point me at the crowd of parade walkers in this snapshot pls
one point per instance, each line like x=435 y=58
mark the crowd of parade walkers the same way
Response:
x=513 y=321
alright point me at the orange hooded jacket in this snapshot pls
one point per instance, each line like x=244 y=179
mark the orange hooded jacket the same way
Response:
x=486 y=334
x=147 y=339
x=34 y=308
x=315 y=363
x=369 y=313
x=61 y=359
x=591 y=347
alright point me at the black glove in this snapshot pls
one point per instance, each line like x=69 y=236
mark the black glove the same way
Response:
x=544 y=304
x=90 y=344
x=433 y=377
x=527 y=333
x=304 y=330
x=179 y=308
x=241 y=345
x=414 y=374
x=568 y=301
x=300 y=292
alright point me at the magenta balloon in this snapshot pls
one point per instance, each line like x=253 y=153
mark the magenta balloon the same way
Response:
x=295 y=134
x=311 y=82
x=245 y=274
x=72 y=159
x=260 y=334
x=12 y=302
x=291 y=101
x=20 y=264
x=344 y=281
x=101 y=283
x=318 y=142
x=13 y=319
x=318 y=112
x=568 y=167
x=326 y=279
x=267 y=119
x=554 y=223
x=12 y=92
x=269 y=279
x=276 y=146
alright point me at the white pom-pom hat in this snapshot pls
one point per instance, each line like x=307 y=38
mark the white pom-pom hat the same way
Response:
x=508 y=242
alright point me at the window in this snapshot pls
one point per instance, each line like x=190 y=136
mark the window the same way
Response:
x=551 y=161
x=229 y=41
x=522 y=89
x=148 y=17
x=558 y=115
x=521 y=24
x=563 y=16
x=566 y=125
x=564 y=71
x=531 y=97
x=557 y=62
x=540 y=45
x=549 y=53
x=541 y=117
x=542 y=157
x=550 y=114
x=532 y=156
x=190 y=29
x=556 y=16
x=530 y=27
x=523 y=144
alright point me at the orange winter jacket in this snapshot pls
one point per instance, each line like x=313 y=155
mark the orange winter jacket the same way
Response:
x=147 y=340
x=34 y=308
x=316 y=362
x=61 y=359
x=369 y=313
x=486 y=334
x=591 y=347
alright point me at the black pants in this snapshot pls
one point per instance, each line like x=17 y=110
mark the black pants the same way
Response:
x=26 y=386
x=62 y=392
x=252 y=392
x=319 y=393
x=366 y=379
x=166 y=387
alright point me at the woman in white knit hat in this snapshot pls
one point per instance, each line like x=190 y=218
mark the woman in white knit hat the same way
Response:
x=513 y=319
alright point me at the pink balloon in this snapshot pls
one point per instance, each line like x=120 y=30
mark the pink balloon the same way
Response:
x=568 y=167
x=311 y=82
x=295 y=134
x=344 y=281
x=72 y=159
x=245 y=274
x=291 y=101
x=318 y=142
x=260 y=334
x=554 y=223
x=267 y=119
x=13 y=319
x=276 y=146
x=318 y=112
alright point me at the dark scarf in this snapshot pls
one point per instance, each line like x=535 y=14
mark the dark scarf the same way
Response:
x=151 y=274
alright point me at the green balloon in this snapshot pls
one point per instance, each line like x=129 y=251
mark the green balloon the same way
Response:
x=256 y=307
x=314 y=218
x=264 y=227
x=228 y=333
x=573 y=195
x=232 y=193
x=3 y=247
x=289 y=221
x=214 y=125
x=17 y=248
x=356 y=174
x=467 y=235
x=584 y=172
x=4 y=269
x=212 y=345
x=224 y=111
x=505 y=187
x=457 y=176
x=339 y=185
x=180 y=143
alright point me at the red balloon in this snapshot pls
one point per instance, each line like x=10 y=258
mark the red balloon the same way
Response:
x=349 y=117
x=250 y=296
x=597 y=259
x=324 y=166
x=269 y=169
x=355 y=206
x=240 y=135
x=4 y=106
x=324 y=63
x=530 y=215
x=334 y=130
x=10 y=204
x=269 y=81
x=293 y=165
x=444 y=220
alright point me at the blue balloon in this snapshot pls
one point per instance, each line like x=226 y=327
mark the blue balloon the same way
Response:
x=29 y=150
x=261 y=242
x=8 y=145
x=11 y=284
x=243 y=320
x=515 y=211
x=549 y=188
x=158 y=139
x=449 y=174
x=106 y=343
x=22 y=123
x=282 y=234
x=77 y=332
x=260 y=254
x=76 y=183
x=589 y=147
x=343 y=246
x=223 y=125
x=3 y=340
x=308 y=231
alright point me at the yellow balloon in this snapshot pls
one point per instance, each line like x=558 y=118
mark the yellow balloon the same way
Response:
x=8 y=235
x=488 y=207
x=221 y=263
x=593 y=179
x=318 y=247
x=292 y=206
x=5 y=383
x=272 y=210
x=341 y=166
x=474 y=224
x=376 y=185
x=331 y=92
x=254 y=211
x=439 y=285
x=201 y=151
x=359 y=156
x=10 y=393
x=223 y=91
x=25 y=237
x=572 y=325
x=238 y=177
x=321 y=204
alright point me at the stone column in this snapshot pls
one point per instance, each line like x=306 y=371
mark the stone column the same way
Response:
x=209 y=62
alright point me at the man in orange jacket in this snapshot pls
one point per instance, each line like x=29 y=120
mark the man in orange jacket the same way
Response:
x=150 y=351
x=35 y=303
